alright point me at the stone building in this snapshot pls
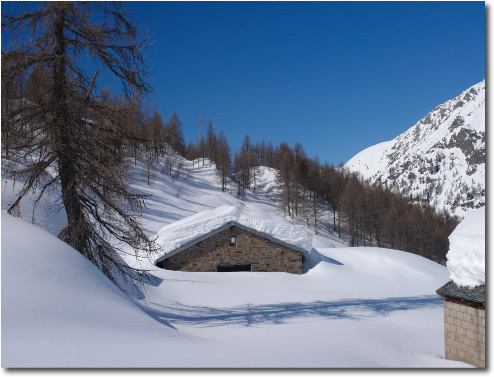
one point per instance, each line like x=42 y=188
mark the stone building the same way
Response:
x=233 y=246
x=464 y=323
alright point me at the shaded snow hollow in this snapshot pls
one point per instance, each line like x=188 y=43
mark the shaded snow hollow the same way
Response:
x=466 y=255
x=178 y=234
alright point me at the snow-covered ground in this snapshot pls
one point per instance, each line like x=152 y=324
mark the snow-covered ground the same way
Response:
x=354 y=307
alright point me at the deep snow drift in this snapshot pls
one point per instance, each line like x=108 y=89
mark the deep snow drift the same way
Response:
x=354 y=307
x=466 y=255
x=59 y=310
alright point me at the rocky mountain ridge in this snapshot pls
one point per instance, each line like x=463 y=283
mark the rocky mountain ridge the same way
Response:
x=440 y=160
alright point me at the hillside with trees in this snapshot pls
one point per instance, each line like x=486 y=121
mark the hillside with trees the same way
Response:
x=368 y=214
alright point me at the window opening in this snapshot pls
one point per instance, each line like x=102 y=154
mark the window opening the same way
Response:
x=235 y=267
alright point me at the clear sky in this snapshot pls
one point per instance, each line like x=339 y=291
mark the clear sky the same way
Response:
x=336 y=76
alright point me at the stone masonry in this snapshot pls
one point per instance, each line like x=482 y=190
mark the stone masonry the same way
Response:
x=261 y=254
x=464 y=333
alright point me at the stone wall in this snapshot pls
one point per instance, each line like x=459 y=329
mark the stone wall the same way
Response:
x=464 y=333
x=261 y=254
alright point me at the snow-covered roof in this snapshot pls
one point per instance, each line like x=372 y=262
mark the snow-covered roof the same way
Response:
x=178 y=236
x=466 y=255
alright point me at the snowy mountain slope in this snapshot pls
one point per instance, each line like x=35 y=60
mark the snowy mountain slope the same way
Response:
x=440 y=160
x=353 y=307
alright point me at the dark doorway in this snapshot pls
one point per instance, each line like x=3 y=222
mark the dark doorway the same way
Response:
x=235 y=267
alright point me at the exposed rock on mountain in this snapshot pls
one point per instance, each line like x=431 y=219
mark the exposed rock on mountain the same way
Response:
x=440 y=160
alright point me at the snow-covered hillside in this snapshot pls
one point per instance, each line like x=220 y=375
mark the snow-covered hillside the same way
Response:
x=353 y=307
x=440 y=160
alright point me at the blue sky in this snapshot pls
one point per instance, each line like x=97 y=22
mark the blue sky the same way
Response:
x=336 y=76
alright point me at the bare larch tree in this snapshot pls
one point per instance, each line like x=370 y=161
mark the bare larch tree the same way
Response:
x=68 y=128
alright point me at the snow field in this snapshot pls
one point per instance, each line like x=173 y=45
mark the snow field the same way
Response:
x=354 y=307
x=59 y=310
x=344 y=312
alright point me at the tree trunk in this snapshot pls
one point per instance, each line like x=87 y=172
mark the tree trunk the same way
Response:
x=315 y=211
x=74 y=232
x=334 y=219
x=6 y=125
x=148 y=157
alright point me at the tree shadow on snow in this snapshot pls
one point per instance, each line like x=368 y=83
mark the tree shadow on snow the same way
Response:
x=252 y=315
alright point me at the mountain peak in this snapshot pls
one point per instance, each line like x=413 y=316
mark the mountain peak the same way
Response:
x=440 y=160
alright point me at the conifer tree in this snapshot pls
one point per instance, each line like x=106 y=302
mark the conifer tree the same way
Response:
x=174 y=135
x=75 y=133
x=211 y=142
x=223 y=163
x=285 y=177
x=157 y=133
x=349 y=205
x=191 y=153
